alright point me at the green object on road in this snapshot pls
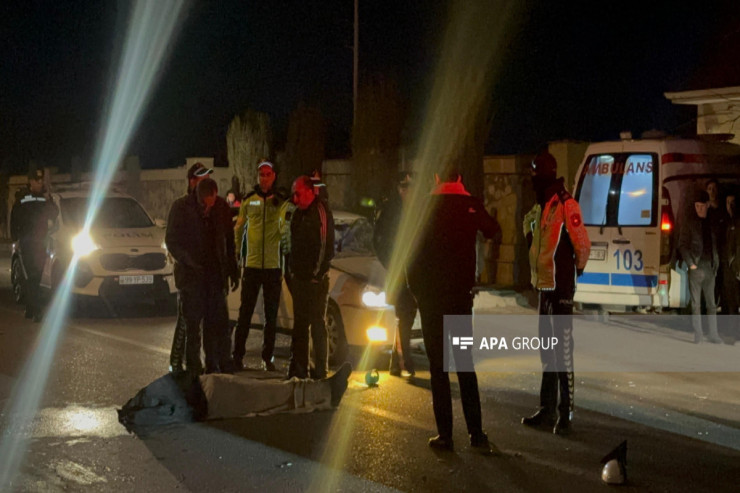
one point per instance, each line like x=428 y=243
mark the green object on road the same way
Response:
x=372 y=377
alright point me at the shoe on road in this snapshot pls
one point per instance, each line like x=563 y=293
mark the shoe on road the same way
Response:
x=442 y=443
x=541 y=420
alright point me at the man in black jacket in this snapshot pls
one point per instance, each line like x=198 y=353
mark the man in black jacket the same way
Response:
x=30 y=218
x=441 y=275
x=196 y=173
x=404 y=303
x=697 y=244
x=200 y=239
x=312 y=248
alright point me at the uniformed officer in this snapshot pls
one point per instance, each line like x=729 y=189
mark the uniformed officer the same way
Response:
x=258 y=233
x=559 y=249
x=33 y=215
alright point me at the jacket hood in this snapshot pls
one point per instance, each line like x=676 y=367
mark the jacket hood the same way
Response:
x=450 y=188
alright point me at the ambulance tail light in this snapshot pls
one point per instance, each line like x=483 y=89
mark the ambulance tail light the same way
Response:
x=667 y=224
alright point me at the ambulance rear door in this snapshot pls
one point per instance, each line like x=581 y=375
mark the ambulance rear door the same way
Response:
x=619 y=197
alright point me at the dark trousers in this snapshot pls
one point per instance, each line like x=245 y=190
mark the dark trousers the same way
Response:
x=433 y=308
x=556 y=320
x=271 y=281
x=33 y=255
x=177 y=353
x=405 y=307
x=309 y=312
x=701 y=282
x=206 y=303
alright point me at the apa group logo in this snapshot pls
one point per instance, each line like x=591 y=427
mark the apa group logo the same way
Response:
x=462 y=342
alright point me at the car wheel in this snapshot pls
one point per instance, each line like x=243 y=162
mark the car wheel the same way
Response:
x=18 y=281
x=335 y=333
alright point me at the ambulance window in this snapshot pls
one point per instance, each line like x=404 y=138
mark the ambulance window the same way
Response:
x=636 y=194
x=594 y=190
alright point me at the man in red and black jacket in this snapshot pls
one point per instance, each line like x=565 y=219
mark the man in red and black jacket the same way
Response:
x=312 y=248
x=441 y=276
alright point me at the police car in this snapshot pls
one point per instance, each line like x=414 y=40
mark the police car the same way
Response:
x=121 y=258
x=357 y=312
x=633 y=194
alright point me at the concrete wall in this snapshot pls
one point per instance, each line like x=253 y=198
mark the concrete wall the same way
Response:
x=719 y=118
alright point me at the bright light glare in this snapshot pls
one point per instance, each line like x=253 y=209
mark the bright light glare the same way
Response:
x=83 y=244
x=371 y=299
x=151 y=29
x=377 y=334
x=637 y=193
x=82 y=420
x=470 y=57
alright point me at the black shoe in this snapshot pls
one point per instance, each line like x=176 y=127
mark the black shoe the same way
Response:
x=37 y=318
x=395 y=372
x=268 y=366
x=562 y=427
x=408 y=374
x=28 y=314
x=541 y=420
x=239 y=365
x=338 y=383
x=480 y=444
x=441 y=443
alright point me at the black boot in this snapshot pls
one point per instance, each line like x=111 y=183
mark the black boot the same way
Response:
x=541 y=420
x=562 y=427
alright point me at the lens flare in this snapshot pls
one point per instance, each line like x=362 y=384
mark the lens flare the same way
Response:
x=152 y=27
x=470 y=58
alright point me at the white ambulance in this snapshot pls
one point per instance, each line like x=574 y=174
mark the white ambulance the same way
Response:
x=633 y=194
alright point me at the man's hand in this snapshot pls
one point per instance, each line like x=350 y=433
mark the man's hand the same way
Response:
x=234 y=282
x=693 y=267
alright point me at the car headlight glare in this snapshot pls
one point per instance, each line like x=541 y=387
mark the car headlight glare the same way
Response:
x=83 y=244
x=372 y=299
x=377 y=334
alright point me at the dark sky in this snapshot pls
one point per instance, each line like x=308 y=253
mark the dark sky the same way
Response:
x=575 y=70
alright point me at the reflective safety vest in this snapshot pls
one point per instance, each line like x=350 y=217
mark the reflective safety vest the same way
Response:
x=259 y=228
x=546 y=228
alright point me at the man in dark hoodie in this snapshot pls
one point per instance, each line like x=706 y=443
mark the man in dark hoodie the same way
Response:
x=441 y=276
x=559 y=249
x=200 y=239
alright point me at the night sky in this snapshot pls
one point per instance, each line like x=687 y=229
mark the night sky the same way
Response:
x=571 y=70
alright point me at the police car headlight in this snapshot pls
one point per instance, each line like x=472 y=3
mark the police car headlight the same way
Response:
x=83 y=245
x=374 y=299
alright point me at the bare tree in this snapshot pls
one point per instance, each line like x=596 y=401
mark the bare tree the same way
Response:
x=247 y=140
x=306 y=141
x=376 y=138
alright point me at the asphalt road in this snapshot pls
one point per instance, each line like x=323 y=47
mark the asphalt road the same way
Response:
x=682 y=429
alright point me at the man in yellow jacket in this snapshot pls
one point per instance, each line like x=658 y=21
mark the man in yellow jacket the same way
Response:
x=559 y=249
x=258 y=232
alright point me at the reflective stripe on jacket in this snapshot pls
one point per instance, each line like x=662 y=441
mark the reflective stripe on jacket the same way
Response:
x=546 y=229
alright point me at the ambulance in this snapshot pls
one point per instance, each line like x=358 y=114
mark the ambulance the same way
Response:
x=633 y=194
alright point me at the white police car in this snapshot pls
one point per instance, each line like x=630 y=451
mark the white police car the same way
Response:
x=122 y=258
